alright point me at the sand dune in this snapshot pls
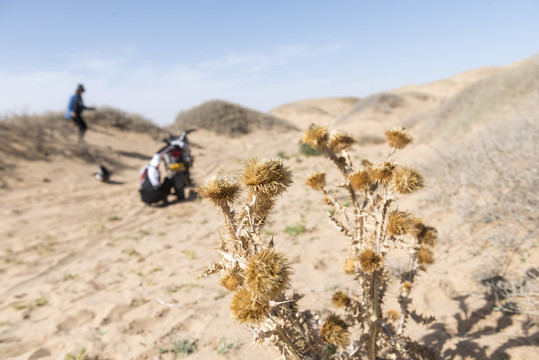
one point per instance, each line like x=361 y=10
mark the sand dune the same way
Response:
x=85 y=265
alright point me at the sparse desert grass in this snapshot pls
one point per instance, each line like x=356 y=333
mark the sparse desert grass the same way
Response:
x=229 y=119
x=295 y=229
x=224 y=347
x=490 y=182
x=81 y=355
x=258 y=274
x=179 y=346
x=308 y=150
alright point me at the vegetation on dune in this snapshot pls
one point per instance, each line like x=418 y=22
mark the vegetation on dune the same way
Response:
x=510 y=93
x=489 y=177
x=229 y=119
x=258 y=275
x=37 y=137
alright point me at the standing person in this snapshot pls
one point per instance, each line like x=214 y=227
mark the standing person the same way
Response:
x=75 y=108
x=151 y=190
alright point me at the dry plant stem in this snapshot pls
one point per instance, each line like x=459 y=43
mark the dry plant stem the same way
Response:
x=391 y=153
x=340 y=209
x=244 y=215
x=381 y=238
x=228 y=221
x=371 y=350
x=287 y=341
x=404 y=297
x=249 y=217
x=358 y=235
x=344 y=168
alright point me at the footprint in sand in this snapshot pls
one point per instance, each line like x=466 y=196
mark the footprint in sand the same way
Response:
x=116 y=314
x=146 y=324
x=82 y=317
x=40 y=353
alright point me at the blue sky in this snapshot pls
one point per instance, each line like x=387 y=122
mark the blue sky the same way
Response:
x=158 y=58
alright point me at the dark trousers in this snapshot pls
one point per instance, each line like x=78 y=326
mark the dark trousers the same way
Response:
x=152 y=195
x=80 y=124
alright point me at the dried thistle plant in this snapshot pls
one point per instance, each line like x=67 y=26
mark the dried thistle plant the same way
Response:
x=374 y=229
x=258 y=275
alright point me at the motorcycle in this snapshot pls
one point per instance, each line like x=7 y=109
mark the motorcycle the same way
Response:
x=178 y=162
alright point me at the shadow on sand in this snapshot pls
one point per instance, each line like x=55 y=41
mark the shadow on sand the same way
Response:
x=193 y=195
x=470 y=333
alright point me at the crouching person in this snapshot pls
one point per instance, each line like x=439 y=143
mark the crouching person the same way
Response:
x=151 y=190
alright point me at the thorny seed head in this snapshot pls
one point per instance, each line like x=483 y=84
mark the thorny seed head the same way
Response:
x=350 y=266
x=340 y=141
x=317 y=181
x=316 y=136
x=231 y=280
x=267 y=274
x=248 y=309
x=407 y=180
x=427 y=236
x=383 y=173
x=361 y=179
x=400 y=223
x=266 y=177
x=220 y=190
x=335 y=331
x=392 y=315
x=398 y=138
x=340 y=299
x=425 y=256
x=370 y=261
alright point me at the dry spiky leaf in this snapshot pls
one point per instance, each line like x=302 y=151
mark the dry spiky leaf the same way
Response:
x=398 y=138
x=370 y=261
x=317 y=181
x=266 y=177
x=212 y=269
x=220 y=190
x=407 y=180
x=316 y=136
x=335 y=331
x=267 y=274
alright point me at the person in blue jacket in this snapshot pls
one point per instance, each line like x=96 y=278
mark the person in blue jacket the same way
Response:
x=75 y=108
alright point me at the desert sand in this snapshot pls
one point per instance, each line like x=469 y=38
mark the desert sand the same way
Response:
x=86 y=266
